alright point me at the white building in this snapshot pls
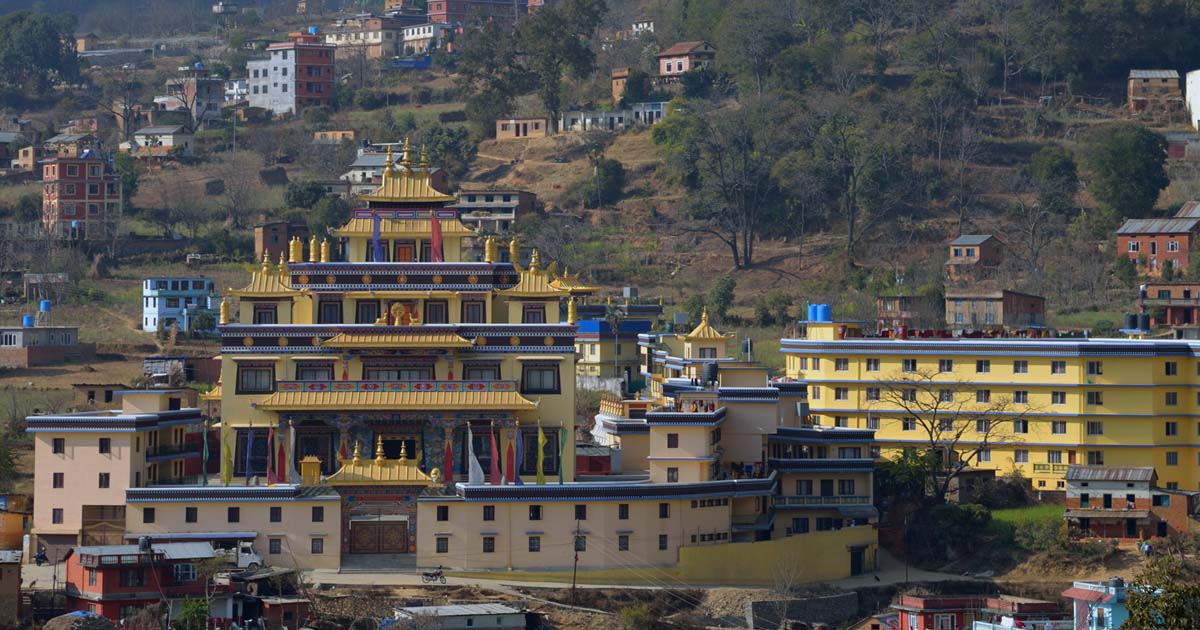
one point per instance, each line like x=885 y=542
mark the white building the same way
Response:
x=1191 y=96
x=163 y=141
x=474 y=616
x=422 y=38
x=237 y=89
x=167 y=301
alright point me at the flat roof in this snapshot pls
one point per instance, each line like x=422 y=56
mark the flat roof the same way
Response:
x=458 y=610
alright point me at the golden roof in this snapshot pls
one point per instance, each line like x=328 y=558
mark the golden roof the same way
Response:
x=379 y=471
x=705 y=332
x=571 y=284
x=266 y=282
x=415 y=339
x=535 y=281
x=407 y=184
x=397 y=401
x=393 y=228
x=213 y=394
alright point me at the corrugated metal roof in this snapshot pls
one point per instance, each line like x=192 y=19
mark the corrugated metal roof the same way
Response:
x=972 y=239
x=1153 y=74
x=1159 y=226
x=7 y=137
x=1189 y=210
x=170 y=551
x=457 y=610
x=397 y=401
x=158 y=131
x=681 y=48
x=1078 y=472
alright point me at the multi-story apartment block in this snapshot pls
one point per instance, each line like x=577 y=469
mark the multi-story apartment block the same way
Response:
x=200 y=93
x=374 y=37
x=494 y=211
x=297 y=74
x=463 y=11
x=175 y=302
x=423 y=38
x=81 y=197
x=84 y=462
x=1029 y=405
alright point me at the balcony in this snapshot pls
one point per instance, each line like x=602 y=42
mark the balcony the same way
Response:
x=173 y=451
x=1050 y=468
x=812 y=501
x=397 y=395
x=183 y=480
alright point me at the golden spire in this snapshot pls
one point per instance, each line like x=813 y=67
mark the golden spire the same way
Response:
x=283 y=269
x=266 y=266
x=325 y=250
x=224 y=311
x=514 y=253
x=314 y=253
x=608 y=300
x=389 y=163
x=403 y=451
x=535 y=261
x=357 y=451
x=572 y=312
x=704 y=316
x=424 y=159
x=379 y=455
x=404 y=158
x=490 y=250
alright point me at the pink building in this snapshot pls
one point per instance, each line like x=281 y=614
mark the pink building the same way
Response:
x=685 y=56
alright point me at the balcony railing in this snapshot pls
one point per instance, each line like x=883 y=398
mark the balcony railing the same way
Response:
x=815 y=501
x=183 y=480
x=1171 y=301
x=396 y=386
x=163 y=451
x=1049 y=468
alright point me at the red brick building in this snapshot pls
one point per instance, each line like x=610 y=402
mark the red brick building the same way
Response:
x=116 y=581
x=297 y=74
x=1170 y=303
x=958 y=612
x=81 y=197
x=1125 y=502
x=462 y=11
x=1155 y=243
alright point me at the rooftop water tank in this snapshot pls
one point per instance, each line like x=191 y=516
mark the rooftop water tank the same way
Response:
x=44 y=306
x=312 y=30
x=824 y=313
x=27 y=321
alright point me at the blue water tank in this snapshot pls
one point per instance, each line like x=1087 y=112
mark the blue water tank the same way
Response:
x=198 y=66
x=312 y=30
x=812 y=312
x=27 y=321
x=44 y=306
x=824 y=314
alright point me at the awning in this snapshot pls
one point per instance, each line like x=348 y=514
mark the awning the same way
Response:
x=196 y=536
x=1135 y=514
x=858 y=511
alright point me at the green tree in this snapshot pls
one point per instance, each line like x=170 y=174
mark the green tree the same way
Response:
x=303 y=194
x=1126 y=165
x=194 y=615
x=1056 y=178
x=637 y=87
x=8 y=460
x=720 y=298
x=330 y=212
x=638 y=617
x=450 y=148
x=1165 y=594
x=37 y=50
x=750 y=36
x=605 y=185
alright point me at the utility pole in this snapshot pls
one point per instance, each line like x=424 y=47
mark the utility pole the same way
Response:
x=575 y=569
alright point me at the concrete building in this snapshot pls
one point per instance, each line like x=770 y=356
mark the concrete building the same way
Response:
x=371 y=36
x=1098 y=605
x=237 y=90
x=978 y=612
x=366 y=173
x=199 y=93
x=424 y=38
x=68 y=144
x=176 y=302
x=973 y=257
x=912 y=312
x=159 y=143
x=513 y=128
x=613 y=120
x=975 y=310
x=480 y=616
x=494 y=211
x=271 y=239
x=29 y=346
x=85 y=461
x=1154 y=90
x=10 y=589
x=1156 y=244
x=81 y=197
x=684 y=57
x=97 y=395
x=1170 y=304
x=1126 y=502
x=297 y=74
x=460 y=12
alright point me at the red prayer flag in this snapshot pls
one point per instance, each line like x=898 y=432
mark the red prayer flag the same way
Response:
x=271 y=480
x=435 y=247
x=281 y=468
x=494 y=468
x=448 y=462
x=509 y=473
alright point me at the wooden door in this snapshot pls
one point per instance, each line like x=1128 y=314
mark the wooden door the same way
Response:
x=364 y=537
x=378 y=537
x=406 y=252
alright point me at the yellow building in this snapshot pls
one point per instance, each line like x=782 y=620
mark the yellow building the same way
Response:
x=1029 y=405
x=606 y=342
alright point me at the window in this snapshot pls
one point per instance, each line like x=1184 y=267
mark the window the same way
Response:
x=275 y=546
x=983 y=395
x=233 y=515
x=265 y=313
x=255 y=379
x=1021 y=456
x=945 y=424
x=1095 y=427
x=489 y=512
x=872 y=394
x=1172 y=427
x=276 y=514
x=580 y=543
x=148 y=515
x=329 y=312
x=908 y=424
x=945 y=365
x=1172 y=399
x=908 y=365
x=443 y=544
x=1058 y=367
x=184 y=572
x=816 y=393
x=841 y=421
x=804 y=487
x=581 y=512
x=672 y=475
x=133 y=577
x=1095 y=398
x=1058 y=427
x=191 y=515
x=366 y=312
x=318 y=514
x=443 y=512
x=58 y=480
x=312 y=371
x=664 y=510
x=846 y=487
x=1054 y=457
x=56 y=516
x=841 y=393
x=945 y=395
x=535 y=544
x=539 y=378
x=623 y=511
x=104 y=480
x=1095 y=458
x=1172 y=458
x=1172 y=246
x=909 y=395
x=983 y=366
x=473 y=312
x=841 y=365
x=982 y=425
x=1095 y=368
x=872 y=365
x=672 y=440
x=436 y=312
x=489 y=544
x=533 y=313
x=872 y=422
x=59 y=446
x=1021 y=397
x=1171 y=368
x=984 y=455
x=1020 y=367
x=1058 y=398
x=105 y=446
x=317 y=546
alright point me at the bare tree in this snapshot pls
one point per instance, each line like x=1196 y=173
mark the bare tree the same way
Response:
x=955 y=419
x=243 y=193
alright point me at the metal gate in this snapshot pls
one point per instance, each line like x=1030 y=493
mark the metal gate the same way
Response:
x=378 y=537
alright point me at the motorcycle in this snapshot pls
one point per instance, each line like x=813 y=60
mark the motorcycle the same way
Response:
x=433 y=576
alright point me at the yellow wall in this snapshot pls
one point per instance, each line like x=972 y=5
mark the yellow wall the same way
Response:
x=12 y=529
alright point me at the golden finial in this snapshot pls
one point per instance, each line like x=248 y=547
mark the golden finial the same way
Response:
x=704 y=316
x=660 y=300
x=572 y=312
x=608 y=300
x=379 y=455
x=314 y=252
x=266 y=266
x=357 y=451
x=282 y=264
x=325 y=250
x=224 y=311
x=388 y=164
x=295 y=250
x=626 y=300
x=403 y=451
x=490 y=250
x=404 y=159
x=535 y=261
x=424 y=158
x=514 y=252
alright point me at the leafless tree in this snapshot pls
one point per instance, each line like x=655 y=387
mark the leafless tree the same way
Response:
x=967 y=149
x=243 y=194
x=955 y=419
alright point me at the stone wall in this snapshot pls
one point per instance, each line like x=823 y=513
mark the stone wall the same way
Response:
x=828 y=609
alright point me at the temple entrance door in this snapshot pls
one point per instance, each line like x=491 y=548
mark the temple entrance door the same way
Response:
x=378 y=536
x=406 y=252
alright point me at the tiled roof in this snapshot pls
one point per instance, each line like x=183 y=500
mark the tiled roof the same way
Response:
x=681 y=48
x=265 y=283
x=370 y=472
x=1159 y=226
x=397 y=401
x=1189 y=210
x=1153 y=74
x=536 y=282
x=416 y=339
x=1078 y=472
x=972 y=239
